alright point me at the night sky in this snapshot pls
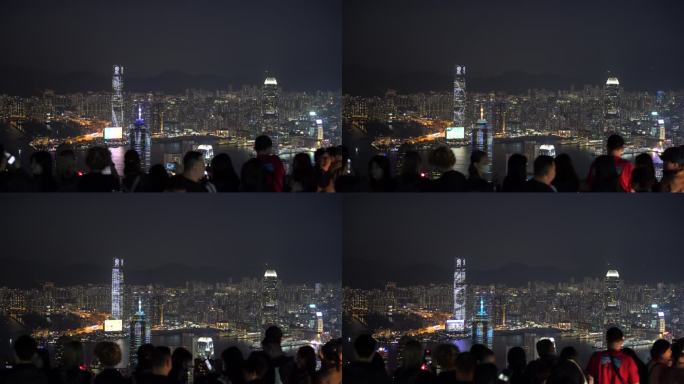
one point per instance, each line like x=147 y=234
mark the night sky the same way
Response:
x=511 y=239
x=169 y=238
x=299 y=41
x=412 y=45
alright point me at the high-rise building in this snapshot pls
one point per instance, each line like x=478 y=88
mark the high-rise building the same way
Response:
x=139 y=334
x=141 y=141
x=611 y=105
x=117 y=289
x=459 y=95
x=269 y=104
x=481 y=331
x=459 y=314
x=611 y=309
x=483 y=140
x=117 y=97
x=661 y=325
x=269 y=298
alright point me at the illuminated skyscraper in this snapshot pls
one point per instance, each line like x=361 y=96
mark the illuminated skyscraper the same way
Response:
x=459 y=95
x=117 y=97
x=141 y=141
x=269 y=104
x=611 y=309
x=139 y=334
x=482 y=139
x=117 y=289
x=269 y=298
x=481 y=332
x=611 y=105
x=661 y=325
x=459 y=295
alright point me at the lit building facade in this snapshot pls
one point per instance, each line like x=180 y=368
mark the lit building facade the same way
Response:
x=269 y=104
x=269 y=298
x=611 y=299
x=139 y=334
x=459 y=95
x=117 y=97
x=117 y=289
x=141 y=141
x=459 y=314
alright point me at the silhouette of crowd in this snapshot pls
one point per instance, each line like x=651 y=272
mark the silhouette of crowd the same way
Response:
x=159 y=365
x=330 y=171
x=447 y=365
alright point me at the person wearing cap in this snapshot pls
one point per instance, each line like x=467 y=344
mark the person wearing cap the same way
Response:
x=673 y=170
x=615 y=146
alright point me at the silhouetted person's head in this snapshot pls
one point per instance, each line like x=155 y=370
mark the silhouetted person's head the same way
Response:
x=545 y=348
x=302 y=169
x=331 y=354
x=222 y=167
x=306 y=359
x=160 y=360
x=614 y=338
x=478 y=163
x=412 y=353
x=132 y=163
x=252 y=177
x=232 y=362
x=564 y=167
x=65 y=162
x=568 y=353
x=157 y=178
x=379 y=168
x=482 y=354
x=72 y=354
x=661 y=352
x=256 y=366
x=263 y=145
x=544 y=169
x=364 y=347
x=465 y=367
x=644 y=160
x=516 y=358
x=445 y=355
x=673 y=160
x=193 y=166
x=273 y=334
x=485 y=373
x=41 y=163
x=615 y=145
x=324 y=160
x=411 y=164
x=25 y=347
x=517 y=167
x=144 y=355
x=442 y=158
x=108 y=353
x=98 y=158
x=181 y=359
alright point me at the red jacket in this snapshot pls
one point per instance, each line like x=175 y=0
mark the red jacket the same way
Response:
x=624 y=170
x=275 y=172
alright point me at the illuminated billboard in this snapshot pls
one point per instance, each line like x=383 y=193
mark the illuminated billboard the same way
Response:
x=455 y=133
x=113 y=325
x=454 y=325
x=113 y=133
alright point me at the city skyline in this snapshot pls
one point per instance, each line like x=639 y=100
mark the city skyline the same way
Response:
x=542 y=238
x=411 y=46
x=219 y=41
x=206 y=240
